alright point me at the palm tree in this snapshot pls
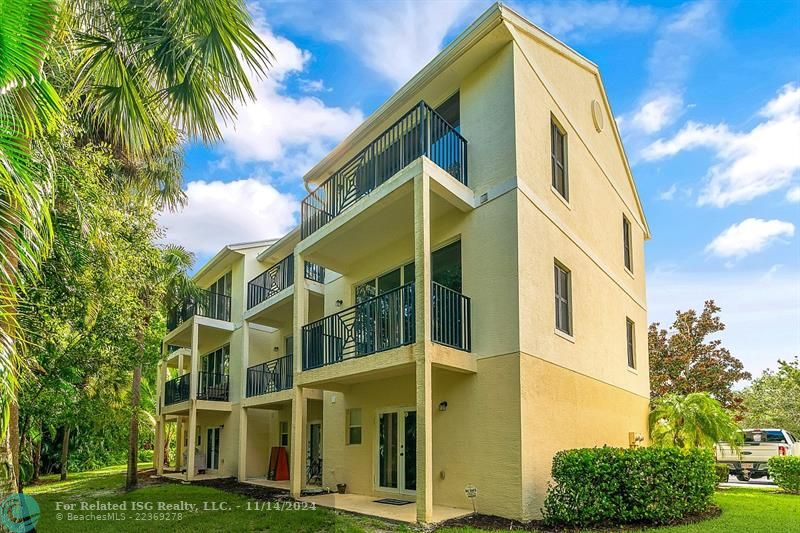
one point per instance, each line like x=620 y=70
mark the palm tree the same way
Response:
x=28 y=106
x=140 y=75
x=695 y=420
x=174 y=280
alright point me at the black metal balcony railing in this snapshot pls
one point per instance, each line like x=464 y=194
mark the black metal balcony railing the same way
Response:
x=272 y=376
x=206 y=303
x=278 y=277
x=212 y=386
x=380 y=323
x=315 y=272
x=450 y=318
x=421 y=131
x=176 y=390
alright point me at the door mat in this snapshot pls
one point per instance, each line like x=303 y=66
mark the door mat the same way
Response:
x=392 y=501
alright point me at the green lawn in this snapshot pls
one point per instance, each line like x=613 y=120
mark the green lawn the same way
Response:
x=743 y=510
x=750 y=510
x=105 y=486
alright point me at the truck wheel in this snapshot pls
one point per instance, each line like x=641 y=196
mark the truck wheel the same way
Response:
x=742 y=477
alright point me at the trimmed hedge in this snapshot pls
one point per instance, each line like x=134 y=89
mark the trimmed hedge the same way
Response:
x=618 y=485
x=785 y=471
x=722 y=472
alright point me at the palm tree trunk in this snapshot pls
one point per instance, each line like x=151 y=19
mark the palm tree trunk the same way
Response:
x=9 y=445
x=64 y=453
x=133 y=436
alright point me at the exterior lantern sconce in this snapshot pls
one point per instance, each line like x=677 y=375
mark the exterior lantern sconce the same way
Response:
x=275 y=349
x=443 y=406
x=635 y=439
x=339 y=303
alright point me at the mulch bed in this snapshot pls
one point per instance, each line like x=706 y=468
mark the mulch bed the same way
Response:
x=230 y=484
x=479 y=521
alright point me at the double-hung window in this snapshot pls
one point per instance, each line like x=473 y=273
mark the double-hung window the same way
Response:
x=558 y=153
x=627 y=251
x=631 y=340
x=563 y=299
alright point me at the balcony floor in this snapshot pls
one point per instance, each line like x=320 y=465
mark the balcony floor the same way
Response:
x=365 y=505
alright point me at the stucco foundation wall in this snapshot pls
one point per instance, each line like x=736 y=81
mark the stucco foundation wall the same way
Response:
x=563 y=409
x=262 y=435
x=477 y=439
x=356 y=464
x=228 y=437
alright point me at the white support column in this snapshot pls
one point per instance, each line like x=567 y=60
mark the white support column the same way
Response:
x=242 y=444
x=194 y=365
x=422 y=306
x=245 y=357
x=193 y=382
x=160 y=444
x=297 y=472
x=181 y=368
x=179 y=443
x=190 y=466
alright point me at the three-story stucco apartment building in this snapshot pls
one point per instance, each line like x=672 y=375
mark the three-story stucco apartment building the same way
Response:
x=463 y=297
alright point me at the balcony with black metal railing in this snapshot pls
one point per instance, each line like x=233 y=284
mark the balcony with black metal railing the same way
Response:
x=386 y=322
x=271 y=376
x=213 y=386
x=278 y=277
x=205 y=303
x=176 y=390
x=420 y=132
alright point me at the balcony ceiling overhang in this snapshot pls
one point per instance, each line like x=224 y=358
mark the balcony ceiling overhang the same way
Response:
x=384 y=217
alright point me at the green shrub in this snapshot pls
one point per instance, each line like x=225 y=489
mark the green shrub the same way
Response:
x=145 y=456
x=722 y=471
x=785 y=471
x=618 y=485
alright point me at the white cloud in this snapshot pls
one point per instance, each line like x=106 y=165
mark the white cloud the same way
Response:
x=219 y=213
x=793 y=194
x=313 y=86
x=681 y=38
x=292 y=132
x=655 y=114
x=393 y=38
x=576 y=19
x=669 y=194
x=760 y=312
x=749 y=236
x=749 y=164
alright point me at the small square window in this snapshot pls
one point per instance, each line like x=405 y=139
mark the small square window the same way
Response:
x=354 y=426
x=284 y=430
x=631 y=344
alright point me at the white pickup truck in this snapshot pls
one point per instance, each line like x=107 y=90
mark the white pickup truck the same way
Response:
x=759 y=445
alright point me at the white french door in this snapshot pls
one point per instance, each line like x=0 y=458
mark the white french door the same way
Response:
x=397 y=451
x=212 y=449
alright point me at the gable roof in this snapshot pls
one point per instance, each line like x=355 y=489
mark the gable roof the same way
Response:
x=497 y=14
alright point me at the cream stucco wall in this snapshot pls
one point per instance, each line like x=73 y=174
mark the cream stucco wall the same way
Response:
x=532 y=391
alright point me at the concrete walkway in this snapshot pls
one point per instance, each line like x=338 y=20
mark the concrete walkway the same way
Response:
x=361 y=504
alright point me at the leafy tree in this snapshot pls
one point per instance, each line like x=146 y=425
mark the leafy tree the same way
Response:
x=684 y=360
x=773 y=400
x=695 y=420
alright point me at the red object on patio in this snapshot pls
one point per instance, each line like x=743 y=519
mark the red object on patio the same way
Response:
x=278 y=464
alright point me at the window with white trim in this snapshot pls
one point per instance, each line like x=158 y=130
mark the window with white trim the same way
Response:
x=563 y=298
x=630 y=336
x=353 y=426
x=627 y=251
x=558 y=154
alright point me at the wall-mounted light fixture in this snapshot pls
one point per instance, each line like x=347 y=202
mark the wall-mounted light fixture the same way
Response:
x=275 y=349
x=339 y=303
x=443 y=406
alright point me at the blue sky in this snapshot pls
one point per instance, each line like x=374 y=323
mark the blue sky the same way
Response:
x=707 y=96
